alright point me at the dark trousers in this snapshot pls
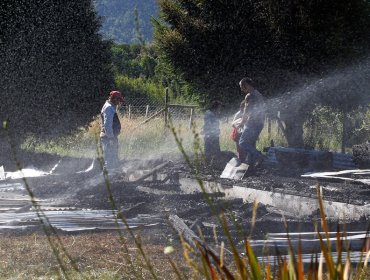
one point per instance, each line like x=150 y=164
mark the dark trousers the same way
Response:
x=211 y=147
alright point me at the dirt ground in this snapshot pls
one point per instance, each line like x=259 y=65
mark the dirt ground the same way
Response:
x=158 y=199
x=89 y=190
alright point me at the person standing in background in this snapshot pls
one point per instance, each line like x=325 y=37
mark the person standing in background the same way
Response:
x=211 y=131
x=252 y=122
x=110 y=129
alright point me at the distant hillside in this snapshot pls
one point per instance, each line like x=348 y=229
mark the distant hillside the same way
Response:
x=119 y=19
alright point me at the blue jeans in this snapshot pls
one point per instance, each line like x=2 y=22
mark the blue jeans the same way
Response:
x=248 y=141
x=110 y=152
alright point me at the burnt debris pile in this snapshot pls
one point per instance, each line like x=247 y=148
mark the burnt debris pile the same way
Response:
x=361 y=154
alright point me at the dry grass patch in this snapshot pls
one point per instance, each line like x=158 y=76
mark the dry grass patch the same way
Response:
x=97 y=255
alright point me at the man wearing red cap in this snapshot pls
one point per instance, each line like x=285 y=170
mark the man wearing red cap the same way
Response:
x=110 y=129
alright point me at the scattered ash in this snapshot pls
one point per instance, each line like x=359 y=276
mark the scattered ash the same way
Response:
x=91 y=190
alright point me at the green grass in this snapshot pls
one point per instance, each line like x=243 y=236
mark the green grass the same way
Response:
x=140 y=141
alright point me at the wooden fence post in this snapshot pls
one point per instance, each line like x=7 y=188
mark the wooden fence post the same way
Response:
x=191 y=117
x=166 y=100
x=146 y=111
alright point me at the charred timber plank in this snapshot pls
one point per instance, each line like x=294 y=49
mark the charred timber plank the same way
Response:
x=189 y=235
x=155 y=170
x=183 y=230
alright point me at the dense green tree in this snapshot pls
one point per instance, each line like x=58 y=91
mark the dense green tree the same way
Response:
x=54 y=66
x=134 y=60
x=281 y=44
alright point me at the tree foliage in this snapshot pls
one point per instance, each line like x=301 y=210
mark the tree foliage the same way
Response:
x=281 y=44
x=134 y=60
x=55 y=68
x=140 y=74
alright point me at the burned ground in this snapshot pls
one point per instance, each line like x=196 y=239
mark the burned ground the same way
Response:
x=89 y=190
x=80 y=199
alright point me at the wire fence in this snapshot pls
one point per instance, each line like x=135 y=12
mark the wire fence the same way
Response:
x=139 y=107
x=325 y=130
x=135 y=108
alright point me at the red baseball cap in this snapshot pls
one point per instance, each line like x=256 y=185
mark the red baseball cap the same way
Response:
x=116 y=94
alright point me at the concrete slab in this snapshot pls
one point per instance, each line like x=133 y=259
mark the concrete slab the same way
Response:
x=296 y=205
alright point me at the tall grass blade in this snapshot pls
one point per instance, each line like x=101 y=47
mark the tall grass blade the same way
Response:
x=221 y=266
x=325 y=247
x=222 y=251
x=284 y=270
x=300 y=270
x=176 y=269
x=187 y=251
x=254 y=217
x=367 y=259
x=320 y=271
x=253 y=263
x=346 y=272
x=237 y=259
x=268 y=271
x=205 y=270
x=292 y=261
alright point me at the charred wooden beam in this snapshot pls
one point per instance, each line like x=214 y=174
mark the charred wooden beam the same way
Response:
x=153 y=172
x=189 y=236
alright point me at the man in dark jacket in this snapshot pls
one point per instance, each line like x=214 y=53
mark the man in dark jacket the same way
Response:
x=110 y=129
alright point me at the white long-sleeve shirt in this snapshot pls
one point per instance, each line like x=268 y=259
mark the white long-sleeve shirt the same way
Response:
x=107 y=112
